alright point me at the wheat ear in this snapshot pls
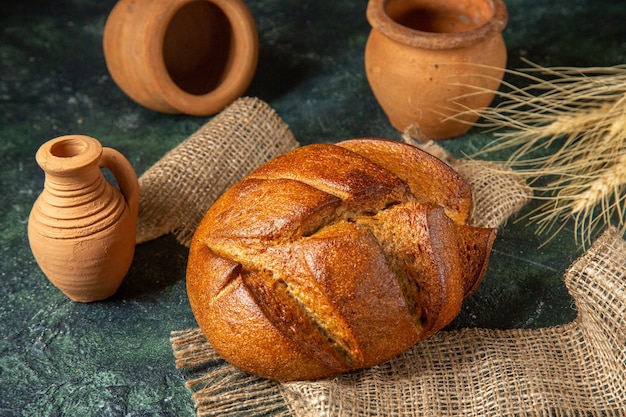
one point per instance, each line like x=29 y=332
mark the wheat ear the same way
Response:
x=569 y=130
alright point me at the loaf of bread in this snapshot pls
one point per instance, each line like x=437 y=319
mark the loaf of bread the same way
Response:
x=331 y=258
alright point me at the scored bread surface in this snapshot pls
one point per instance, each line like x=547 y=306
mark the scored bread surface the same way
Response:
x=334 y=257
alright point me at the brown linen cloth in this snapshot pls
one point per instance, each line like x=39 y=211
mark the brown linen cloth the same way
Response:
x=571 y=370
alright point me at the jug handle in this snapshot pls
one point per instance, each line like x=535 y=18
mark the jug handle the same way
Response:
x=124 y=175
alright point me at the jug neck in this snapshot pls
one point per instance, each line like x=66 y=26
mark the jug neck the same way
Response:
x=70 y=159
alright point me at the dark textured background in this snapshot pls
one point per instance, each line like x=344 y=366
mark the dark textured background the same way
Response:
x=113 y=358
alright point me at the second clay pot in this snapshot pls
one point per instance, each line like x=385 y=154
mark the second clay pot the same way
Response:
x=429 y=60
x=181 y=56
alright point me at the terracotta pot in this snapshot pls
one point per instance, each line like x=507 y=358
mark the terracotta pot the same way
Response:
x=81 y=228
x=422 y=56
x=181 y=56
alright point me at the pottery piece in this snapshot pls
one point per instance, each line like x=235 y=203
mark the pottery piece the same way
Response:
x=181 y=56
x=81 y=228
x=428 y=60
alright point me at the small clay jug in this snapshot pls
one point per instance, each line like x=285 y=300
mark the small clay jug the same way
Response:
x=181 y=56
x=429 y=60
x=81 y=228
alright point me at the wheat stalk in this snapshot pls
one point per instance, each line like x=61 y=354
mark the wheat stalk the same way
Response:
x=569 y=129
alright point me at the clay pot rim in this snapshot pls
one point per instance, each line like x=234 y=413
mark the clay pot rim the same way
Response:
x=380 y=20
x=52 y=163
x=240 y=74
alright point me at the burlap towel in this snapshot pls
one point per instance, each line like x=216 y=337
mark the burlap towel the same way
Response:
x=176 y=192
x=571 y=370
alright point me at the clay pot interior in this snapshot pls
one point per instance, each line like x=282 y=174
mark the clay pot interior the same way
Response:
x=431 y=16
x=202 y=28
x=68 y=148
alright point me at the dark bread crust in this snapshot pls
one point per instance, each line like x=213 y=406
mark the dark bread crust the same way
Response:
x=334 y=257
